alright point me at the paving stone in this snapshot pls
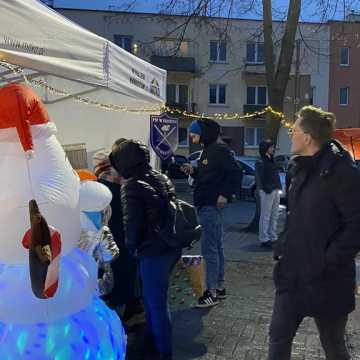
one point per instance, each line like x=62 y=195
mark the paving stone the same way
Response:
x=237 y=329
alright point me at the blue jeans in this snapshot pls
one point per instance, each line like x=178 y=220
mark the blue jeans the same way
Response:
x=212 y=245
x=155 y=273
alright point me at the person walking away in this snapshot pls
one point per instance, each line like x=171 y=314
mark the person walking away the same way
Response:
x=144 y=197
x=216 y=180
x=315 y=270
x=268 y=186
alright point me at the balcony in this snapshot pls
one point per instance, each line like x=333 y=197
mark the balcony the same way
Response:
x=255 y=69
x=182 y=106
x=251 y=108
x=173 y=63
x=178 y=106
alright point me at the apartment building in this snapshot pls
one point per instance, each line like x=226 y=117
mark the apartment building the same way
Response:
x=344 y=92
x=217 y=66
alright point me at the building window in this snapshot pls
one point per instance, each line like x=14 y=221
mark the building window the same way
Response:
x=183 y=137
x=217 y=94
x=344 y=96
x=344 y=56
x=312 y=96
x=171 y=47
x=124 y=42
x=218 y=51
x=253 y=136
x=177 y=94
x=254 y=53
x=256 y=95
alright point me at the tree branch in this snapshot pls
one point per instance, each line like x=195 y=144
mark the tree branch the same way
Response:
x=287 y=47
x=268 y=44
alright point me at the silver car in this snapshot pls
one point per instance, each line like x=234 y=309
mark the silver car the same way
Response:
x=248 y=181
x=247 y=163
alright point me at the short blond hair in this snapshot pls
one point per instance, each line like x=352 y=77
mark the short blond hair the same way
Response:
x=319 y=124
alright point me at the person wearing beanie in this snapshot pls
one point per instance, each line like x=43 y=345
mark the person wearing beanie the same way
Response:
x=268 y=186
x=143 y=197
x=217 y=177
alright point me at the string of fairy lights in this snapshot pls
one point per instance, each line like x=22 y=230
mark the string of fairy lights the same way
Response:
x=36 y=83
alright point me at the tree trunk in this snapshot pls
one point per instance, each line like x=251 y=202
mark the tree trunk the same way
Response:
x=276 y=79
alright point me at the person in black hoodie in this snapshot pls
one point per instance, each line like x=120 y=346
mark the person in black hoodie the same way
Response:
x=144 y=195
x=216 y=180
x=315 y=270
x=125 y=296
x=268 y=186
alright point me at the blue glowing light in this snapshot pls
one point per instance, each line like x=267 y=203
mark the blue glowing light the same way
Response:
x=92 y=334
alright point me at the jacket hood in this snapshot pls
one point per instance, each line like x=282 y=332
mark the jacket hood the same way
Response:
x=130 y=159
x=264 y=147
x=210 y=131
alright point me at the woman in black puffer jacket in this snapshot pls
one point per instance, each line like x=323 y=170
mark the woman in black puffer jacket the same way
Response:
x=144 y=197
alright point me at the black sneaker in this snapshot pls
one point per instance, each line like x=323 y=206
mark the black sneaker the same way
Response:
x=207 y=300
x=221 y=294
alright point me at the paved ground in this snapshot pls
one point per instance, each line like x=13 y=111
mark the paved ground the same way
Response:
x=237 y=328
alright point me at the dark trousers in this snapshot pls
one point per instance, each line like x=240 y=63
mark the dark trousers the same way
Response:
x=284 y=324
x=155 y=274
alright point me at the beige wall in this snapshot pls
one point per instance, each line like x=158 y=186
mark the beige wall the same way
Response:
x=147 y=28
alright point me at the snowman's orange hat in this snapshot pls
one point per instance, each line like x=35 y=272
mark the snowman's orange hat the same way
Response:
x=20 y=107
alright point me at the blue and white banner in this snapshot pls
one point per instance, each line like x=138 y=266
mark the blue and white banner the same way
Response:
x=164 y=135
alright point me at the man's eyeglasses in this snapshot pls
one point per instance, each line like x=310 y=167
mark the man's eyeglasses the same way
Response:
x=293 y=131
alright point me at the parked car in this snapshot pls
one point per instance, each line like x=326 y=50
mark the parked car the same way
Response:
x=174 y=167
x=282 y=161
x=247 y=163
x=248 y=182
x=194 y=157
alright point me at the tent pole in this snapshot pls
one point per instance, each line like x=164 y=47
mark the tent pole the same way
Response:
x=352 y=147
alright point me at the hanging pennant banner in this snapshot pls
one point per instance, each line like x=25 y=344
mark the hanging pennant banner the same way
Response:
x=164 y=135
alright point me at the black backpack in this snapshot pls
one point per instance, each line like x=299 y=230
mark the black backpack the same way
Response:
x=181 y=228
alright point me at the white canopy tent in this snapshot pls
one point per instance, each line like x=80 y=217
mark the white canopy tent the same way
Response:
x=73 y=68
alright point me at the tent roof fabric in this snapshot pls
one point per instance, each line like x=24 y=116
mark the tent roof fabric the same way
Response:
x=350 y=138
x=56 y=46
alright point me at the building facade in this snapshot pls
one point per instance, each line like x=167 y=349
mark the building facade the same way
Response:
x=217 y=66
x=344 y=83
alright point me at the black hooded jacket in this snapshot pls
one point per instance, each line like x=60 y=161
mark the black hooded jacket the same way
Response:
x=321 y=239
x=143 y=198
x=266 y=173
x=217 y=172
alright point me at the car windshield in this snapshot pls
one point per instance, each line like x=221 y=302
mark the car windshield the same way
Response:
x=194 y=155
x=249 y=162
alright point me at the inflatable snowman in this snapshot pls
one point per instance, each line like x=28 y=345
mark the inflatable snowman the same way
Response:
x=65 y=320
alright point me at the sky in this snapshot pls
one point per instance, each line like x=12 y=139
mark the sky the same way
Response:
x=309 y=10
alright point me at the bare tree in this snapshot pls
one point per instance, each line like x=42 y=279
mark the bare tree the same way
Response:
x=278 y=68
x=277 y=75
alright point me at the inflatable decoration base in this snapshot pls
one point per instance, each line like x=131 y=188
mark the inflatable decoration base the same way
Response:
x=92 y=334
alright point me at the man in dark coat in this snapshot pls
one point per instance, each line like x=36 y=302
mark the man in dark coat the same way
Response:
x=315 y=272
x=217 y=178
